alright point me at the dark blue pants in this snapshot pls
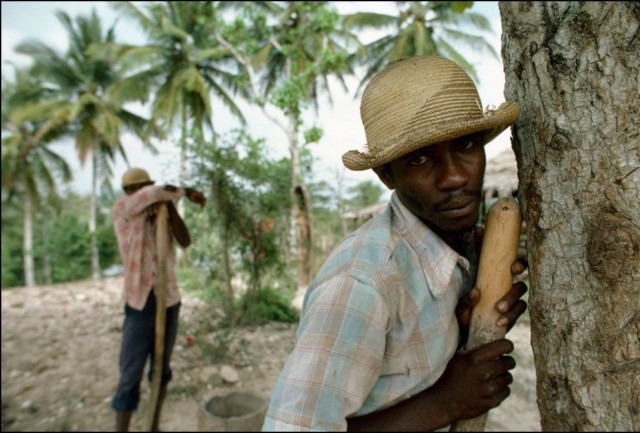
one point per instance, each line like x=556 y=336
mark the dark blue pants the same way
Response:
x=138 y=335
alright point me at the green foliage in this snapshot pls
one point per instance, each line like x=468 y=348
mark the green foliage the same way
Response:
x=325 y=20
x=61 y=241
x=67 y=246
x=218 y=349
x=196 y=280
x=289 y=96
x=249 y=197
x=363 y=194
x=265 y=305
x=12 y=258
x=192 y=279
x=313 y=135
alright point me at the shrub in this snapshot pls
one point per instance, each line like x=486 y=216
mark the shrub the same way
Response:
x=265 y=305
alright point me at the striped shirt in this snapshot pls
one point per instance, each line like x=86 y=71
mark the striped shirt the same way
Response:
x=136 y=233
x=377 y=326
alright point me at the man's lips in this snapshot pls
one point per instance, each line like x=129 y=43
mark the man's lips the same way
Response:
x=458 y=209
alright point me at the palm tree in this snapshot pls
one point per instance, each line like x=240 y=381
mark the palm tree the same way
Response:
x=181 y=65
x=93 y=117
x=288 y=64
x=30 y=169
x=420 y=28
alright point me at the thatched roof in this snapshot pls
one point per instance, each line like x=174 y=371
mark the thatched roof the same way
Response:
x=501 y=175
x=367 y=212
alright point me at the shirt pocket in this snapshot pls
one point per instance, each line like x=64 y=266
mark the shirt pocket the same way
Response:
x=424 y=357
x=400 y=360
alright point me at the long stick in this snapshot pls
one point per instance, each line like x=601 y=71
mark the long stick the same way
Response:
x=160 y=289
x=499 y=251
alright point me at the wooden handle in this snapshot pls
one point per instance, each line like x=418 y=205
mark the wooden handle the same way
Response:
x=499 y=251
x=160 y=290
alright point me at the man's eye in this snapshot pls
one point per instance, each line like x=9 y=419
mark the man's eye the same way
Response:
x=467 y=144
x=419 y=160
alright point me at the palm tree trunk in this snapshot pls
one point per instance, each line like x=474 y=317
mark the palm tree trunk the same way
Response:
x=227 y=276
x=301 y=210
x=95 y=257
x=27 y=242
x=181 y=255
x=46 y=257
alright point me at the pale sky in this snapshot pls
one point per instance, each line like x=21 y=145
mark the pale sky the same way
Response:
x=341 y=122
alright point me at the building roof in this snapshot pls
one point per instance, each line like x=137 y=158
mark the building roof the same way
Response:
x=367 y=212
x=501 y=175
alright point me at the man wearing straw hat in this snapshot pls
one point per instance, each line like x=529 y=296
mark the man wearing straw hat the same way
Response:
x=382 y=322
x=134 y=220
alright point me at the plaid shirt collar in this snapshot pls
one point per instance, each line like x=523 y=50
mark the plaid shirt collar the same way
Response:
x=432 y=251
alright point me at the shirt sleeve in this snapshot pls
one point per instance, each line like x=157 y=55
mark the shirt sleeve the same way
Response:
x=336 y=359
x=135 y=204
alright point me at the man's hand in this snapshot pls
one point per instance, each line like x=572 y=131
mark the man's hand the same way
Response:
x=178 y=227
x=477 y=381
x=152 y=210
x=472 y=383
x=195 y=196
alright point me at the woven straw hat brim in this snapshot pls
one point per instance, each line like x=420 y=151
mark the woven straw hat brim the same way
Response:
x=492 y=123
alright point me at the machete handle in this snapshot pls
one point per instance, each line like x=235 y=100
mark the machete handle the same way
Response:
x=494 y=280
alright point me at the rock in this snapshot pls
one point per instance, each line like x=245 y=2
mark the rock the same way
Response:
x=209 y=373
x=229 y=374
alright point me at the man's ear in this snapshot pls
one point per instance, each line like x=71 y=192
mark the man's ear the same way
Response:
x=385 y=175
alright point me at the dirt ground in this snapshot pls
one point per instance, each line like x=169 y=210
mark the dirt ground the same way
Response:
x=60 y=349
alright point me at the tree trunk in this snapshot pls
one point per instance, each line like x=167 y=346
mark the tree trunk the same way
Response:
x=301 y=212
x=574 y=67
x=95 y=255
x=181 y=254
x=27 y=242
x=226 y=260
x=47 y=271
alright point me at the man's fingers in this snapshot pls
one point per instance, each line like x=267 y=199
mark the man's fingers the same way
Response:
x=510 y=305
x=519 y=266
x=493 y=350
x=507 y=301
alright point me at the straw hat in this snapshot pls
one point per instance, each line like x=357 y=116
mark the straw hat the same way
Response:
x=419 y=101
x=135 y=175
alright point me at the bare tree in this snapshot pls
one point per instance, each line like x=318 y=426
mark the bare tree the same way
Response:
x=575 y=69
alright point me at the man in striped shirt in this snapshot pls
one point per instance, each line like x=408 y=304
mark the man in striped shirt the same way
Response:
x=134 y=217
x=382 y=321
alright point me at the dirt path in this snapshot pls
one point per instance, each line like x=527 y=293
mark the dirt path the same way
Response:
x=60 y=349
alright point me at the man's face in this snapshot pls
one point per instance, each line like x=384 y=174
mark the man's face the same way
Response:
x=440 y=183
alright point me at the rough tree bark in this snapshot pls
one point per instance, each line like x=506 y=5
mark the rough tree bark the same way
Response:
x=575 y=69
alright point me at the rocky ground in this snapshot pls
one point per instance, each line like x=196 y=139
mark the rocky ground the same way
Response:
x=60 y=349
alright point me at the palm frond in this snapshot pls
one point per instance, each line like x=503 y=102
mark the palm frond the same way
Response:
x=475 y=42
x=368 y=20
x=129 y=10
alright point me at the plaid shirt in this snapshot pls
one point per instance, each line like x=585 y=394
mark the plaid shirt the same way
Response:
x=136 y=233
x=377 y=327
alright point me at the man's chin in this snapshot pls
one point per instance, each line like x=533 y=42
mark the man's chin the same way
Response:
x=459 y=227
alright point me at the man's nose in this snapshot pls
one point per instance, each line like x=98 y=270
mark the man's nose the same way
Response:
x=452 y=174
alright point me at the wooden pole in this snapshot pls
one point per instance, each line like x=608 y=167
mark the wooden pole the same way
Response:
x=499 y=251
x=160 y=289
